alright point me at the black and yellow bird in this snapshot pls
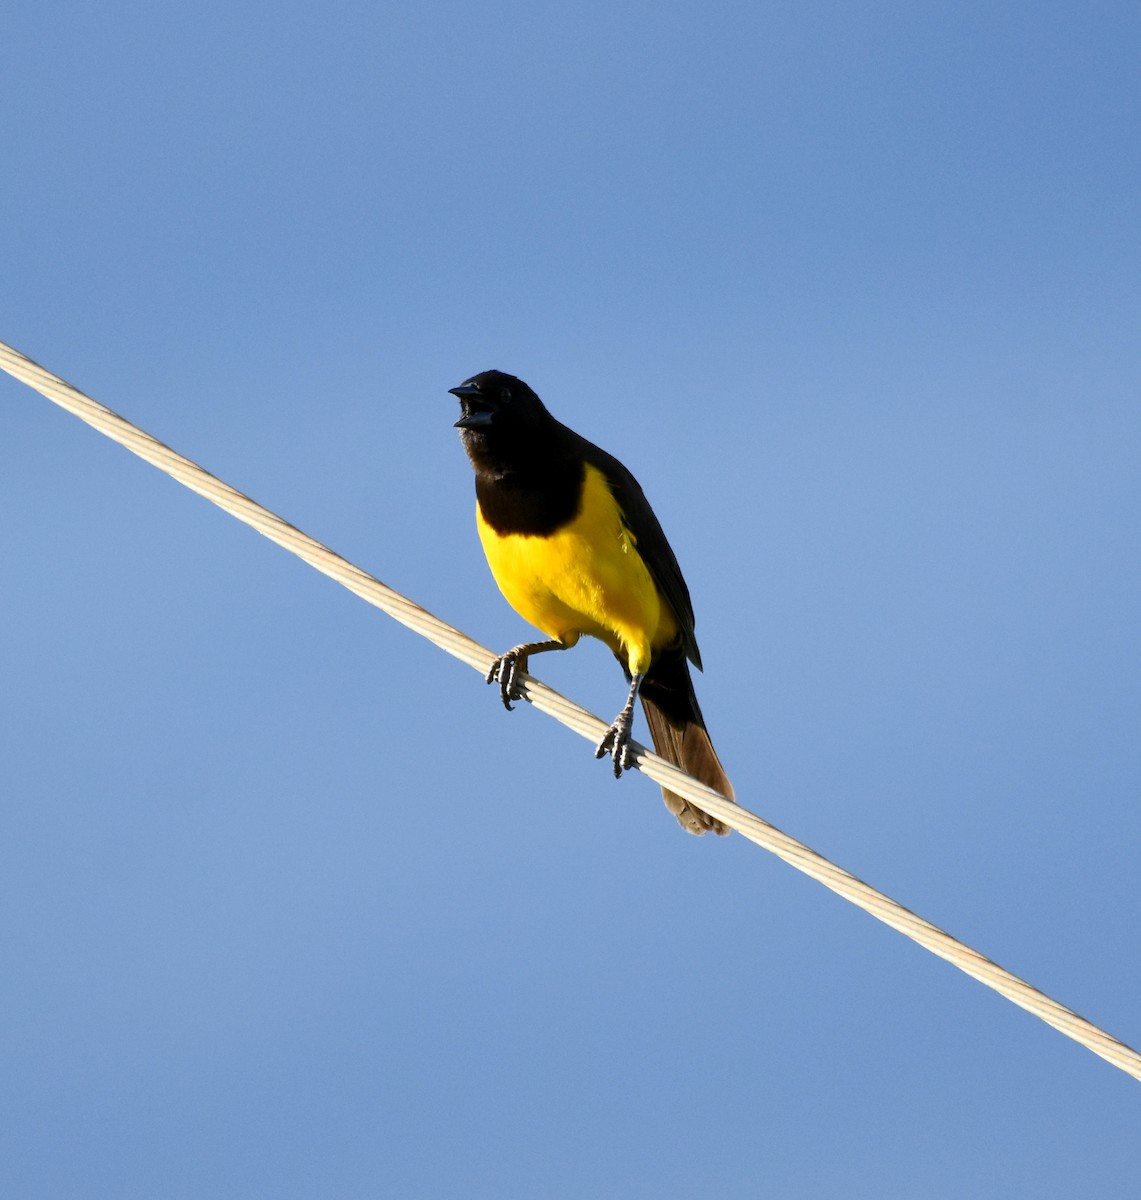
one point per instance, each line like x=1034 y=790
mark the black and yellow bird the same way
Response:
x=576 y=549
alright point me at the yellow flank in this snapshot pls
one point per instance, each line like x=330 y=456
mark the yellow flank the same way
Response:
x=586 y=577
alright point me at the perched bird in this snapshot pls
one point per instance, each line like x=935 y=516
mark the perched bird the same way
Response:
x=576 y=549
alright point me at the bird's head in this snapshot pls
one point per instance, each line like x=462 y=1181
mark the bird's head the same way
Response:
x=499 y=414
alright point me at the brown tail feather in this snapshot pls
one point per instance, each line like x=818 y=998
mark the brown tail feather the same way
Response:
x=684 y=742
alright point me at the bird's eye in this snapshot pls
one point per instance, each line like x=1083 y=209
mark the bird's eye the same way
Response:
x=507 y=394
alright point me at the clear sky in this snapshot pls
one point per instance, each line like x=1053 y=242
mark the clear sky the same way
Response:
x=289 y=906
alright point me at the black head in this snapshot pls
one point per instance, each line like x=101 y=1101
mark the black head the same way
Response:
x=500 y=416
x=496 y=398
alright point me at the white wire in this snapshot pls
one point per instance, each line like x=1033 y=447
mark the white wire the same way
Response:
x=570 y=714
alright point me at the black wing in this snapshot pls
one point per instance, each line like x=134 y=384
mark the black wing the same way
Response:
x=652 y=545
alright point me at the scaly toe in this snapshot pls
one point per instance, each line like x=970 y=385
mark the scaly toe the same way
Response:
x=504 y=671
x=616 y=743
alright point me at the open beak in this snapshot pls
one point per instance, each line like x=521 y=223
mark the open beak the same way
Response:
x=476 y=410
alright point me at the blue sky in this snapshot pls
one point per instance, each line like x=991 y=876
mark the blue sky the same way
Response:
x=289 y=906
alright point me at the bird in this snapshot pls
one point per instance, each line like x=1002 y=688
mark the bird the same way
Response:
x=576 y=549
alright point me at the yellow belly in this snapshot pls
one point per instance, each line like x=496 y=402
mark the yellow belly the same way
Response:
x=587 y=578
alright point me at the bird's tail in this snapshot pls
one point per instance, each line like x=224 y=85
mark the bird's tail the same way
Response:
x=680 y=736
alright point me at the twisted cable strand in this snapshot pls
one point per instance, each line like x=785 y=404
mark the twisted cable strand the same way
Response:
x=547 y=700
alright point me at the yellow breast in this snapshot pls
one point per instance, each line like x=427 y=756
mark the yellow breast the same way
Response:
x=585 y=578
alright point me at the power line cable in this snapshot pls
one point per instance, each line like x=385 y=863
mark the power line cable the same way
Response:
x=547 y=700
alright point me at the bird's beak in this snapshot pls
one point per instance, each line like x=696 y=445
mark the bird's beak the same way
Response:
x=476 y=410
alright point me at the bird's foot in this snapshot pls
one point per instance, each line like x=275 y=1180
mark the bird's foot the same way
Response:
x=616 y=743
x=505 y=671
x=508 y=667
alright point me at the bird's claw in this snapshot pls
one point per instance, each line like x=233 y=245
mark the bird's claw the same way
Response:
x=505 y=671
x=616 y=743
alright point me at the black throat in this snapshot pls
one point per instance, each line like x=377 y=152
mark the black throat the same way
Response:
x=536 y=494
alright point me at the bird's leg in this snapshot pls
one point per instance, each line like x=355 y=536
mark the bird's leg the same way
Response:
x=507 y=667
x=616 y=743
